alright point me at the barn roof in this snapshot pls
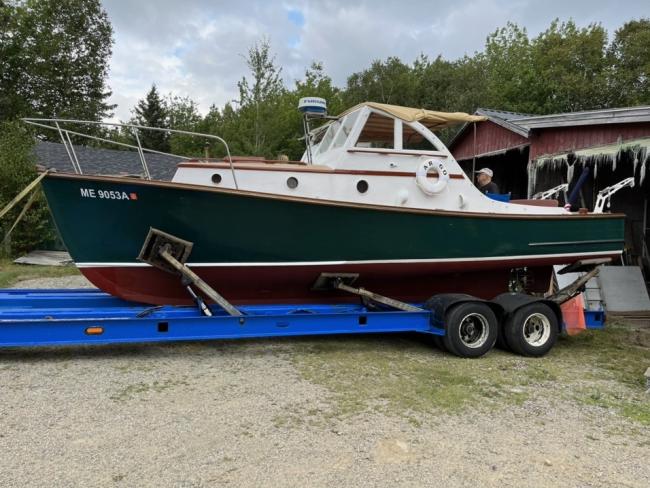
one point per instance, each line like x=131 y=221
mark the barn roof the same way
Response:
x=522 y=124
x=624 y=115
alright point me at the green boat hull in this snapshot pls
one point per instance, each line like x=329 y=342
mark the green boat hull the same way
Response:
x=266 y=248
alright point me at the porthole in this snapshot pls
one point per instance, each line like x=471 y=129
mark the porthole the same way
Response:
x=292 y=182
x=362 y=186
x=216 y=178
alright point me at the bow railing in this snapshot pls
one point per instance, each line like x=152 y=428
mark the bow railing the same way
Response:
x=135 y=129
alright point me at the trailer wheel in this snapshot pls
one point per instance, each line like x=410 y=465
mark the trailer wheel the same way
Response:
x=439 y=342
x=471 y=329
x=532 y=330
x=502 y=343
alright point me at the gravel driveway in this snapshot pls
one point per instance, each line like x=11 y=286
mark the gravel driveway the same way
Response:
x=245 y=414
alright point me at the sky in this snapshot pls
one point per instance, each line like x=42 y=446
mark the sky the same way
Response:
x=197 y=48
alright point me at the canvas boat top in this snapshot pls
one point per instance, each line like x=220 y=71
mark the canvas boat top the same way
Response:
x=432 y=119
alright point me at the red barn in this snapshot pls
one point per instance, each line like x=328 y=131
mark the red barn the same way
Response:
x=533 y=153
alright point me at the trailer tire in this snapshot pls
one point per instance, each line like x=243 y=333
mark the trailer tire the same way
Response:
x=439 y=342
x=532 y=330
x=471 y=329
x=502 y=343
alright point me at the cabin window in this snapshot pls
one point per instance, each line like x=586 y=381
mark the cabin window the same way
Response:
x=378 y=132
x=316 y=139
x=346 y=127
x=412 y=139
x=329 y=136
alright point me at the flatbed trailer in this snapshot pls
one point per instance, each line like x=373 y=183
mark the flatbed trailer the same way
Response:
x=57 y=317
x=60 y=317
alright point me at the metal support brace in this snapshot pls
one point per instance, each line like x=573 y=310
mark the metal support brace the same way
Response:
x=605 y=195
x=145 y=168
x=65 y=146
x=74 y=154
x=193 y=278
x=391 y=302
x=570 y=291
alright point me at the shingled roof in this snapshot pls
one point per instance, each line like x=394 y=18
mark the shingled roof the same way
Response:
x=104 y=161
x=523 y=124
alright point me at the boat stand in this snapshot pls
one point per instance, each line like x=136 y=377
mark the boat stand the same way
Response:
x=169 y=253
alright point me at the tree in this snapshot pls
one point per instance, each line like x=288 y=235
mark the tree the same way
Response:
x=509 y=69
x=389 y=81
x=17 y=170
x=629 y=55
x=152 y=111
x=183 y=114
x=259 y=95
x=54 y=58
x=570 y=66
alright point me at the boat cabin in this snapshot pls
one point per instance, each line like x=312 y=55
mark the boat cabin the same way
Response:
x=374 y=154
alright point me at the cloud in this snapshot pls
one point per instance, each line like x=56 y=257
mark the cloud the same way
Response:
x=197 y=48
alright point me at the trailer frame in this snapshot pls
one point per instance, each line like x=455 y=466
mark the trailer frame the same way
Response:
x=57 y=317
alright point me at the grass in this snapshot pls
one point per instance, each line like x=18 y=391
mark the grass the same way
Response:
x=407 y=376
x=11 y=273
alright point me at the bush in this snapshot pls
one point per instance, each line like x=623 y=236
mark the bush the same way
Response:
x=17 y=170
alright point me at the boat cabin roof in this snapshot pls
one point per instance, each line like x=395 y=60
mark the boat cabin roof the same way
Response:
x=431 y=119
x=379 y=127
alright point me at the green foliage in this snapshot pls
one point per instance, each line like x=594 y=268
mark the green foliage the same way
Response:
x=54 y=58
x=152 y=111
x=509 y=69
x=570 y=68
x=17 y=170
x=260 y=100
x=629 y=55
x=389 y=81
x=183 y=114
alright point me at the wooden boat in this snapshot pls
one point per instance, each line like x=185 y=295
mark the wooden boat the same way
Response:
x=376 y=194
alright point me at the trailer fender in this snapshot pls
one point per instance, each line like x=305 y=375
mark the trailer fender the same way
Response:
x=439 y=304
x=511 y=302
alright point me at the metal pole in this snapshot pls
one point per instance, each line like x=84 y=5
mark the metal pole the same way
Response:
x=232 y=167
x=65 y=145
x=474 y=157
x=74 y=154
x=305 y=127
x=141 y=153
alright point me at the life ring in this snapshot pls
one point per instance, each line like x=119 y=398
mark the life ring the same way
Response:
x=423 y=182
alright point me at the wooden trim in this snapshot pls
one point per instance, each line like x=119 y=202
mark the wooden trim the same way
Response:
x=312 y=169
x=397 y=153
x=245 y=160
x=331 y=203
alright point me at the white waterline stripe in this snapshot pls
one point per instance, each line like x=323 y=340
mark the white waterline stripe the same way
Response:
x=339 y=263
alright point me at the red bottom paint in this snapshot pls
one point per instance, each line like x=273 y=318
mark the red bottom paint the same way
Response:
x=412 y=282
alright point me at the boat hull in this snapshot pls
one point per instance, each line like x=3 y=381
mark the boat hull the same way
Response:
x=257 y=248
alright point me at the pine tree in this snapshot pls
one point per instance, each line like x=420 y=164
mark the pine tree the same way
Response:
x=152 y=111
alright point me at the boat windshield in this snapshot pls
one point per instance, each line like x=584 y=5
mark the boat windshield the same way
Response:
x=329 y=136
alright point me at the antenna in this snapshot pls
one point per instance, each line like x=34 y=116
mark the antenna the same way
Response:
x=311 y=108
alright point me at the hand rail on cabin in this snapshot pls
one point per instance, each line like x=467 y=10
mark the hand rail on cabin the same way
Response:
x=65 y=134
